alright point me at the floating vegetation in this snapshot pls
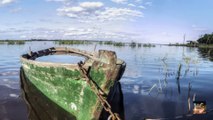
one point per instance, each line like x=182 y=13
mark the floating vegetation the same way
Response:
x=18 y=42
x=119 y=44
x=108 y=42
x=148 y=45
x=72 y=42
x=2 y=42
x=100 y=42
x=133 y=44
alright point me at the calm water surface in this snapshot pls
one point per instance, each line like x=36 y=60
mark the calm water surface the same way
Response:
x=156 y=84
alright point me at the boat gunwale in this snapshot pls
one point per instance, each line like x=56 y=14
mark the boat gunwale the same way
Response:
x=30 y=57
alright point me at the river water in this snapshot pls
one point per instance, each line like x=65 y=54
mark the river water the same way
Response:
x=159 y=82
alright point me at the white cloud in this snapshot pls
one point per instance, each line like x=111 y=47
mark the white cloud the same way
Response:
x=131 y=5
x=94 y=34
x=86 y=12
x=5 y=2
x=67 y=33
x=120 y=1
x=142 y=7
x=81 y=11
x=118 y=14
x=71 y=9
x=91 y=5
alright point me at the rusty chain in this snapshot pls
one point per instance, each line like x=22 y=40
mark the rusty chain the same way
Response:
x=99 y=93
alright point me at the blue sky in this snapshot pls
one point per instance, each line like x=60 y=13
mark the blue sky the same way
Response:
x=146 y=21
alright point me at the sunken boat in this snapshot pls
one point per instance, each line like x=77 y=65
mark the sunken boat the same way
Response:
x=81 y=89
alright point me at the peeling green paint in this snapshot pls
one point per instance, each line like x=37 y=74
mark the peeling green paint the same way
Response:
x=63 y=87
x=98 y=76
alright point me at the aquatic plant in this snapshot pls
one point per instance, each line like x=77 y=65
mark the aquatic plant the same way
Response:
x=71 y=42
x=100 y=42
x=153 y=86
x=178 y=77
x=189 y=99
x=2 y=42
x=108 y=42
x=119 y=44
x=20 y=42
x=133 y=44
x=148 y=45
x=15 y=42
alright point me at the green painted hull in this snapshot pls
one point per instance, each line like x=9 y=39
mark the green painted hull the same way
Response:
x=65 y=85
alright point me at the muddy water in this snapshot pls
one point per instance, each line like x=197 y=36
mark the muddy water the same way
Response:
x=154 y=85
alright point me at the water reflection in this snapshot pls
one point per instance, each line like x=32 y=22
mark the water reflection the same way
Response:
x=206 y=53
x=42 y=108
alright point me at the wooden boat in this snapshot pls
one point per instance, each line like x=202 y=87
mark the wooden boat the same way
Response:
x=80 y=89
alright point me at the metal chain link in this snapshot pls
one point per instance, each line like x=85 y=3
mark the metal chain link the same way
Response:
x=99 y=93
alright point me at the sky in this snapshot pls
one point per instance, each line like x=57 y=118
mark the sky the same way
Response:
x=145 y=21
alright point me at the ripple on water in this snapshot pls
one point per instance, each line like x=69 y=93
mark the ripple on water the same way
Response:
x=14 y=95
x=10 y=83
x=9 y=73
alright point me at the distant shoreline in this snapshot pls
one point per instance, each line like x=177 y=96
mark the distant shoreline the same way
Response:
x=114 y=43
x=197 y=45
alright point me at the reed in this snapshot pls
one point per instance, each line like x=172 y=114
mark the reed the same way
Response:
x=178 y=77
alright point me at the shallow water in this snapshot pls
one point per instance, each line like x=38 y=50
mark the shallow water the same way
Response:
x=151 y=85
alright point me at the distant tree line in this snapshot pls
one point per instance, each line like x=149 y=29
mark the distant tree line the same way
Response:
x=206 y=39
